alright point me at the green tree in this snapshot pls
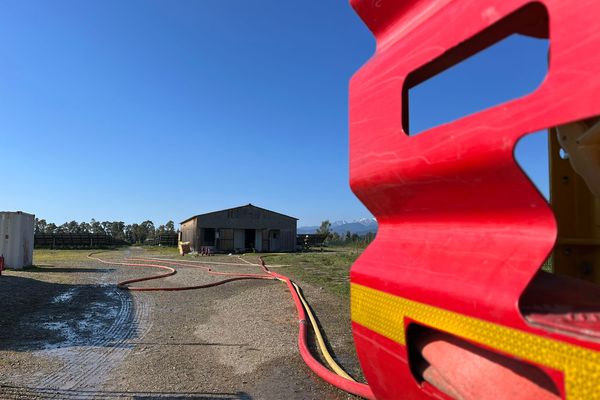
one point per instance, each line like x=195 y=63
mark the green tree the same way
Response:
x=348 y=237
x=96 y=226
x=325 y=228
x=40 y=225
x=117 y=230
x=336 y=238
x=128 y=231
x=106 y=225
x=148 y=228
x=138 y=234
x=84 y=227
x=51 y=228
x=369 y=236
x=71 y=227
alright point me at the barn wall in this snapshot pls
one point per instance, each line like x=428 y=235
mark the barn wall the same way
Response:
x=226 y=239
x=189 y=232
x=265 y=240
x=288 y=239
x=226 y=222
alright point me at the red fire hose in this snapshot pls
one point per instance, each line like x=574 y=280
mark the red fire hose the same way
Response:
x=172 y=271
x=330 y=377
x=346 y=385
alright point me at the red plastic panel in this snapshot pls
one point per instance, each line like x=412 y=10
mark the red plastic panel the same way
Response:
x=461 y=227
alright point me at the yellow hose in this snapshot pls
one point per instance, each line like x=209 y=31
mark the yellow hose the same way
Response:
x=335 y=366
x=328 y=358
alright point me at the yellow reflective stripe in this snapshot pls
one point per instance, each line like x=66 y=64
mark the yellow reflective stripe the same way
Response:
x=384 y=314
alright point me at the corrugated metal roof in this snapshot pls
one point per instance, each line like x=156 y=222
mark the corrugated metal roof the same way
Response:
x=235 y=208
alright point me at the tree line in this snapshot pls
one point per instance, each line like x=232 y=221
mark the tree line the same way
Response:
x=132 y=233
x=348 y=238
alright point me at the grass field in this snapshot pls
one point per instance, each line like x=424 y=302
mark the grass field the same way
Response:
x=329 y=269
x=47 y=256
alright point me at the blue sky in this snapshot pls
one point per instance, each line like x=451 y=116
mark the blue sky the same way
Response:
x=134 y=110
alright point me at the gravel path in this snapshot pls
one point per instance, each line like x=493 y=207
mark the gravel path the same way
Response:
x=69 y=333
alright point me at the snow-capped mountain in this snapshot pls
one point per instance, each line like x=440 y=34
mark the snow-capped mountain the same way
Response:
x=367 y=221
x=359 y=226
x=338 y=223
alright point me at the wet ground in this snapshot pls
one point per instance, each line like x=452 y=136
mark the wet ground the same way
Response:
x=67 y=332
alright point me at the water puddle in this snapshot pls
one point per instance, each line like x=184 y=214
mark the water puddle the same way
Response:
x=64 y=297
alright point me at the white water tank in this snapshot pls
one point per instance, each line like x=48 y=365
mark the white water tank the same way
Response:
x=16 y=240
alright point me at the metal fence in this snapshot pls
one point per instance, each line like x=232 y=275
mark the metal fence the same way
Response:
x=165 y=239
x=75 y=241
x=309 y=240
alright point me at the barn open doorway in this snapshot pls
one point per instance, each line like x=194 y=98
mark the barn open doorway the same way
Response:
x=250 y=238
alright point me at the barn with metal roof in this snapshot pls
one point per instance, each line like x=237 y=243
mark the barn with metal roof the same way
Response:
x=240 y=229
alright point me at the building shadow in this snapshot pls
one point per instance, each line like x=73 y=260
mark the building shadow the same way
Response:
x=45 y=268
x=38 y=315
x=74 y=394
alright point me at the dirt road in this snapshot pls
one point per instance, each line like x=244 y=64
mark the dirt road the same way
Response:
x=67 y=332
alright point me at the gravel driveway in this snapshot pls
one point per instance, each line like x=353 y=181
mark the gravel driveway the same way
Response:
x=67 y=332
